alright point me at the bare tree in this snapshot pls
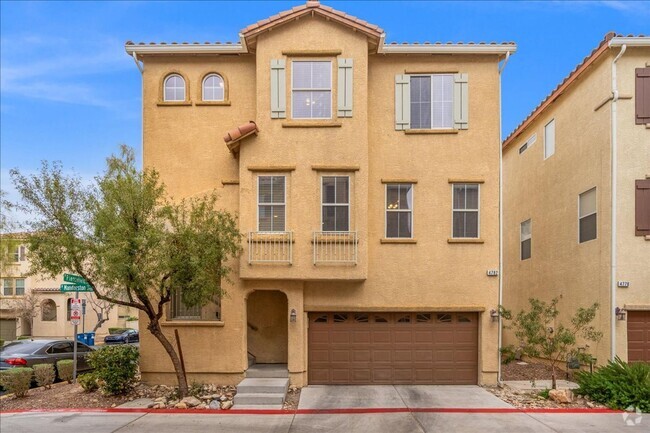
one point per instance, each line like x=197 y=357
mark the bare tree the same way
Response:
x=102 y=309
x=26 y=308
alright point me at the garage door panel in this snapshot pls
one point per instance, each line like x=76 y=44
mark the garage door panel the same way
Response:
x=393 y=348
x=638 y=336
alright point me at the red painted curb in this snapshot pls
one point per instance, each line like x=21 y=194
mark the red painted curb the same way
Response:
x=318 y=411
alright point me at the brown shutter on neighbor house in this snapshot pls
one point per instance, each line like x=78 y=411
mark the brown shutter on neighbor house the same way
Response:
x=642 y=96
x=642 y=208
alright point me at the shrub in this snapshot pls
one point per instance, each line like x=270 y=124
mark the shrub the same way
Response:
x=88 y=381
x=44 y=375
x=2 y=342
x=618 y=385
x=24 y=337
x=115 y=367
x=508 y=354
x=17 y=380
x=131 y=318
x=113 y=331
x=545 y=393
x=65 y=369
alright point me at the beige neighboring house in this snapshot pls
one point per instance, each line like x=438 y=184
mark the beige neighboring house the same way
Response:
x=40 y=297
x=562 y=196
x=365 y=176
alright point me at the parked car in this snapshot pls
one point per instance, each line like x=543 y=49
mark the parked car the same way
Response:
x=27 y=353
x=128 y=336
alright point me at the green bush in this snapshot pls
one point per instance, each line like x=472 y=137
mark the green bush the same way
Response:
x=508 y=354
x=17 y=380
x=618 y=385
x=2 y=342
x=88 y=381
x=545 y=393
x=115 y=367
x=65 y=369
x=131 y=318
x=44 y=375
x=24 y=337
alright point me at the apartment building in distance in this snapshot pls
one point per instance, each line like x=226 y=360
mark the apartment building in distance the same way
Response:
x=577 y=198
x=365 y=176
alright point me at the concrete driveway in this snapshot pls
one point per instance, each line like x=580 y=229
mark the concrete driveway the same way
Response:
x=398 y=396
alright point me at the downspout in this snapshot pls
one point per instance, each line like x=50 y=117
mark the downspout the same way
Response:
x=141 y=69
x=500 y=323
x=614 y=174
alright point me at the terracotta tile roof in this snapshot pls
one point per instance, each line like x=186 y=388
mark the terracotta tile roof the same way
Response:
x=312 y=6
x=46 y=289
x=131 y=43
x=235 y=135
x=506 y=43
x=568 y=80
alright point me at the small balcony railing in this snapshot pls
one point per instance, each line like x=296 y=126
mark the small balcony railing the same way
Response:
x=270 y=247
x=335 y=247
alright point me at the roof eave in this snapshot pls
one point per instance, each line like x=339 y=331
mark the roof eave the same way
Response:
x=238 y=48
x=447 y=49
x=631 y=41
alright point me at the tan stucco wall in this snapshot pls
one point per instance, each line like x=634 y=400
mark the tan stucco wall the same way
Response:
x=184 y=144
x=547 y=192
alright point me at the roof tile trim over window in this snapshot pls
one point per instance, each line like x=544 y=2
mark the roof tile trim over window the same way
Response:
x=161 y=89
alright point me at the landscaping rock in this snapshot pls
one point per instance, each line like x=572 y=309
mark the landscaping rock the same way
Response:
x=181 y=405
x=225 y=405
x=191 y=401
x=561 y=395
x=215 y=404
x=223 y=398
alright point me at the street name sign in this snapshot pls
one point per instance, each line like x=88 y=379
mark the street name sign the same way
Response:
x=75 y=288
x=75 y=279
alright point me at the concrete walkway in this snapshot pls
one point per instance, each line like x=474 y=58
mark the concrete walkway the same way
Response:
x=401 y=422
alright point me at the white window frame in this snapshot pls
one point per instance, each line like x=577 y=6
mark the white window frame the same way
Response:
x=203 y=88
x=528 y=143
x=12 y=286
x=478 y=210
x=175 y=88
x=322 y=204
x=585 y=216
x=315 y=89
x=523 y=238
x=284 y=202
x=410 y=211
x=552 y=121
x=16 y=286
x=431 y=104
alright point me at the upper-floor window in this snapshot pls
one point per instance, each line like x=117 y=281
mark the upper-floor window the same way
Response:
x=271 y=203
x=465 y=205
x=399 y=210
x=13 y=286
x=174 y=88
x=587 y=216
x=213 y=88
x=336 y=204
x=549 y=139
x=525 y=239
x=311 y=90
x=432 y=101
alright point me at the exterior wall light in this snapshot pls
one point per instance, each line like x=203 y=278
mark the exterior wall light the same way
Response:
x=293 y=315
x=494 y=314
x=620 y=313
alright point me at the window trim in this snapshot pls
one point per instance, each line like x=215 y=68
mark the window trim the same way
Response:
x=585 y=216
x=478 y=210
x=410 y=211
x=330 y=90
x=284 y=202
x=431 y=128
x=186 y=85
x=348 y=204
x=13 y=288
x=554 y=138
x=16 y=286
x=177 y=293
x=223 y=80
x=522 y=239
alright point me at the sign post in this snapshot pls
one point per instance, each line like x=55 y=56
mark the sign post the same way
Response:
x=79 y=285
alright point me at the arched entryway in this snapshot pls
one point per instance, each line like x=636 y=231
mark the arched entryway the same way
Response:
x=267 y=321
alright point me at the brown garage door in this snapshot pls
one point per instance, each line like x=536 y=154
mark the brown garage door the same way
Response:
x=638 y=336
x=393 y=348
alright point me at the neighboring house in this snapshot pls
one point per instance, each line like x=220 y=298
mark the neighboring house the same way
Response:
x=558 y=203
x=35 y=306
x=367 y=188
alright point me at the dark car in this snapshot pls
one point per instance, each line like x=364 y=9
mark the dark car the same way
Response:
x=27 y=353
x=128 y=336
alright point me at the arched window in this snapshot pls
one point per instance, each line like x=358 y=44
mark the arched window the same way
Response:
x=69 y=309
x=48 y=311
x=174 y=88
x=213 y=88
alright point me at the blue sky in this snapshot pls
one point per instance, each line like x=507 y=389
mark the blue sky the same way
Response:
x=69 y=92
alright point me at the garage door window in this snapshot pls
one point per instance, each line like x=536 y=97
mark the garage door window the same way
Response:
x=444 y=318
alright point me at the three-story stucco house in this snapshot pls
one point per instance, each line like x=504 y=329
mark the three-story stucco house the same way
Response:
x=577 y=198
x=365 y=176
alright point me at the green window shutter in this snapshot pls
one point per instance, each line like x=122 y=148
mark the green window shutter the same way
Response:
x=461 y=107
x=402 y=102
x=278 y=89
x=345 y=88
